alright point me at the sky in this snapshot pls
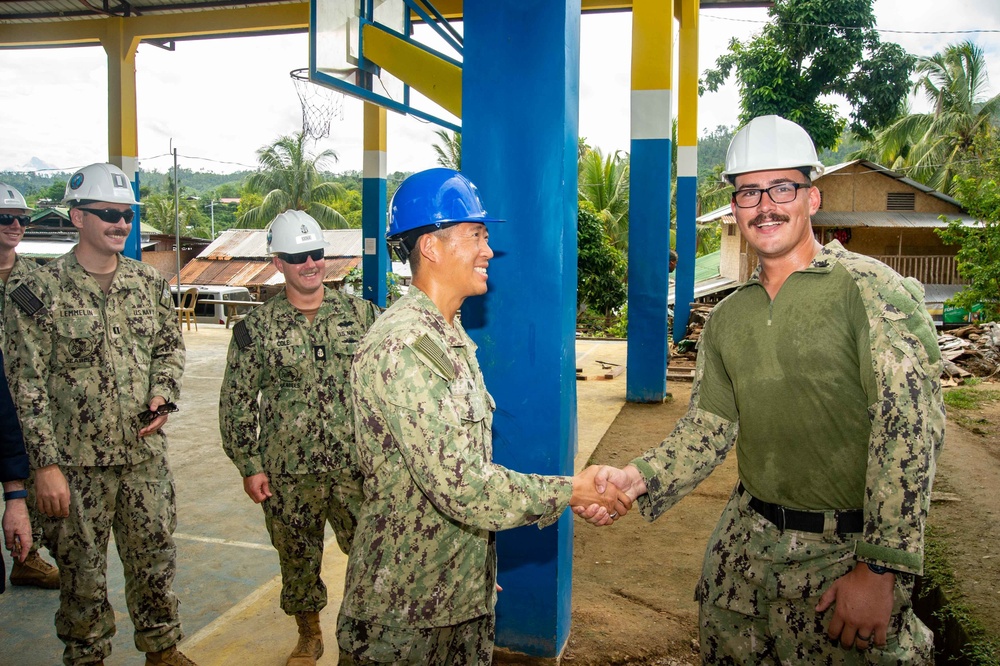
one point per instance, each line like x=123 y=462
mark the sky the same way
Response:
x=218 y=101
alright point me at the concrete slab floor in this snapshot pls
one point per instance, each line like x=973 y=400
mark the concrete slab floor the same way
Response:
x=228 y=579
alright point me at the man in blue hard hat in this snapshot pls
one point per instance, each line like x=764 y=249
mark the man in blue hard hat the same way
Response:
x=421 y=579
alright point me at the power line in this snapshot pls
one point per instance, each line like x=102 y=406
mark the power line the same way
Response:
x=852 y=27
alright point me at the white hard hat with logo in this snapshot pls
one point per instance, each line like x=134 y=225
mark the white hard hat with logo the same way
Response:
x=294 y=231
x=99 y=182
x=11 y=198
x=771 y=143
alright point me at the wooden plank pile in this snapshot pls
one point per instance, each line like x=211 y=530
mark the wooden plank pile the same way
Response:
x=970 y=351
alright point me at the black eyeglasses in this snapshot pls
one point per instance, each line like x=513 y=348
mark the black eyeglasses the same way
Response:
x=149 y=415
x=7 y=219
x=112 y=215
x=301 y=257
x=780 y=193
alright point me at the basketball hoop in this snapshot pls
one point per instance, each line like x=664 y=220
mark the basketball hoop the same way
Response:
x=319 y=104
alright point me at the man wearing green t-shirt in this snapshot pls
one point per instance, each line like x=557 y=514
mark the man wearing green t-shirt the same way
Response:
x=823 y=370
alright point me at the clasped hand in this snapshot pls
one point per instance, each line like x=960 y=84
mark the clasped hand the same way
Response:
x=596 y=498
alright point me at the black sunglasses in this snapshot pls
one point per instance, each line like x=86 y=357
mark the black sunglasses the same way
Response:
x=6 y=219
x=111 y=215
x=149 y=415
x=301 y=257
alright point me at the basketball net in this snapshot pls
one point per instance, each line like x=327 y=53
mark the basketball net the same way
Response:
x=319 y=104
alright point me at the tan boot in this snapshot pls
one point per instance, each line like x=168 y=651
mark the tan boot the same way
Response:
x=169 y=657
x=310 y=645
x=34 y=571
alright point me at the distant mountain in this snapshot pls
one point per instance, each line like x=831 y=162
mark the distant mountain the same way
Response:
x=37 y=164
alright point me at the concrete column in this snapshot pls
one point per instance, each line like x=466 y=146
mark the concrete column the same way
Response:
x=375 y=260
x=649 y=199
x=520 y=121
x=687 y=166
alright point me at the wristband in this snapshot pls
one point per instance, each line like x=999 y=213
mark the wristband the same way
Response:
x=878 y=569
x=15 y=494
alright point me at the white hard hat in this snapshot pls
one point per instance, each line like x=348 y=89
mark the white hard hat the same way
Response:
x=99 y=182
x=294 y=231
x=769 y=143
x=11 y=198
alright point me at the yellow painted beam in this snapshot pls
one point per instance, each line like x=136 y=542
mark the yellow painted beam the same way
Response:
x=438 y=80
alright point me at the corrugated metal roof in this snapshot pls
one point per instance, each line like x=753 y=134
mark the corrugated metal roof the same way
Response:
x=895 y=219
x=254 y=272
x=43 y=11
x=252 y=244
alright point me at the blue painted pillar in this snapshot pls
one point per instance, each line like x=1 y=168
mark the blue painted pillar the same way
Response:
x=520 y=98
x=649 y=200
x=375 y=260
x=687 y=166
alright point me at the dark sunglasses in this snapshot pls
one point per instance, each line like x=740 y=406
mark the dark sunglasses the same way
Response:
x=149 y=415
x=301 y=257
x=110 y=215
x=6 y=219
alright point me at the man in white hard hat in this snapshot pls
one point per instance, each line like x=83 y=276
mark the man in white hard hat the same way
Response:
x=823 y=371
x=287 y=419
x=14 y=217
x=95 y=371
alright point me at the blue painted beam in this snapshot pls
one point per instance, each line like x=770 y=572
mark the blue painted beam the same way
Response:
x=687 y=201
x=520 y=125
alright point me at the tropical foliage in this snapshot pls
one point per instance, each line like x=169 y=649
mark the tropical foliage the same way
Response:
x=290 y=178
x=449 y=152
x=601 y=268
x=812 y=49
x=604 y=182
x=930 y=147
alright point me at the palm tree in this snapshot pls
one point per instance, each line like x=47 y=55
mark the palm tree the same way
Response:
x=450 y=153
x=930 y=146
x=289 y=178
x=604 y=182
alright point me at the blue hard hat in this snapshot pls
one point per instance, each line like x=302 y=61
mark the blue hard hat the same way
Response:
x=434 y=198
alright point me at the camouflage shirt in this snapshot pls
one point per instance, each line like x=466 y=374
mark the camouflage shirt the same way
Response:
x=423 y=553
x=85 y=364
x=830 y=393
x=301 y=373
x=22 y=266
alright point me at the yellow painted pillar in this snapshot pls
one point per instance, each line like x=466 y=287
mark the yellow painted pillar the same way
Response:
x=123 y=133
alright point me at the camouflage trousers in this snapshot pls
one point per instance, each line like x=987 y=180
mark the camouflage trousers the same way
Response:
x=367 y=644
x=137 y=502
x=296 y=515
x=759 y=588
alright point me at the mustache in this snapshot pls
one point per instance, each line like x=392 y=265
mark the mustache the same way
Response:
x=768 y=217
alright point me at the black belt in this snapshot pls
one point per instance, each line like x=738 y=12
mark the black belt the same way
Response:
x=848 y=522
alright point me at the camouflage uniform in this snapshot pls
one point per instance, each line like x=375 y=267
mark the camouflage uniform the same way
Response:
x=84 y=366
x=301 y=372
x=831 y=394
x=424 y=556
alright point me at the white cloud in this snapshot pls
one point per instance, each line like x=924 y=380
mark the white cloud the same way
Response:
x=221 y=100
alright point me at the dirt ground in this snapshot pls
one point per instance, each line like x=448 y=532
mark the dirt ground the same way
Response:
x=633 y=584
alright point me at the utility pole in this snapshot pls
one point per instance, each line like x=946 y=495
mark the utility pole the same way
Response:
x=211 y=208
x=177 y=237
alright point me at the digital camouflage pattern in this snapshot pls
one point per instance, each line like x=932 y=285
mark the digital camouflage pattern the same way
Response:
x=22 y=266
x=291 y=378
x=906 y=415
x=465 y=644
x=759 y=591
x=85 y=365
x=139 y=502
x=424 y=553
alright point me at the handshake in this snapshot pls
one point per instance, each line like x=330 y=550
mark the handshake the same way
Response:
x=602 y=494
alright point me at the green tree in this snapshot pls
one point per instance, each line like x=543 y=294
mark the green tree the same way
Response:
x=812 y=49
x=604 y=181
x=449 y=152
x=601 y=269
x=289 y=178
x=978 y=188
x=929 y=147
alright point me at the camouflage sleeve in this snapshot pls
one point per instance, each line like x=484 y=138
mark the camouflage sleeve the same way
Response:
x=27 y=372
x=167 y=360
x=238 y=403
x=698 y=443
x=445 y=455
x=907 y=433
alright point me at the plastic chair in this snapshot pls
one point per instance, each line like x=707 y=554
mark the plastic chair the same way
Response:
x=186 y=308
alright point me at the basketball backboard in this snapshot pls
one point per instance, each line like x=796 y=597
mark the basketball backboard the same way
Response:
x=337 y=56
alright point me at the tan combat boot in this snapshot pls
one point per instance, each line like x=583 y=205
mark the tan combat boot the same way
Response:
x=310 y=645
x=169 y=657
x=34 y=571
